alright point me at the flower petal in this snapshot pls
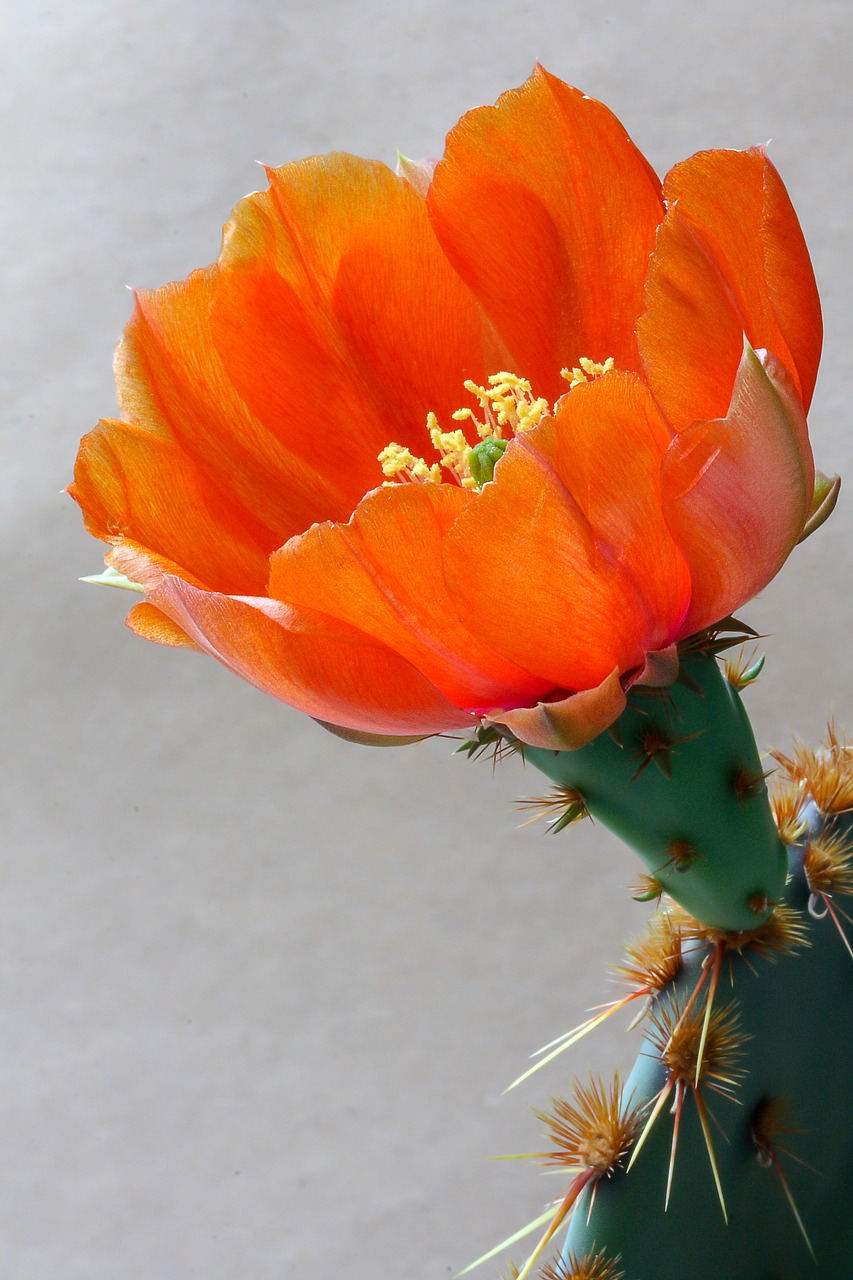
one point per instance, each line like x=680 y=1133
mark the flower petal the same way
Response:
x=397 y=329
x=564 y=562
x=548 y=211
x=331 y=325
x=172 y=383
x=317 y=665
x=567 y=723
x=382 y=572
x=371 y=739
x=737 y=491
x=151 y=624
x=730 y=260
x=133 y=483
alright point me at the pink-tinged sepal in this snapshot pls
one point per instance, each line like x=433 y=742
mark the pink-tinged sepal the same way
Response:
x=370 y=739
x=661 y=668
x=737 y=491
x=568 y=723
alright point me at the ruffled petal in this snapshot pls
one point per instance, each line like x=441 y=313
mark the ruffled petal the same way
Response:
x=564 y=562
x=730 y=260
x=133 y=483
x=150 y=623
x=737 y=491
x=317 y=665
x=331 y=325
x=172 y=383
x=548 y=211
x=395 y=329
x=382 y=572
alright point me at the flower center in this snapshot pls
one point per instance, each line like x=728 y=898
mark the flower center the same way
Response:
x=507 y=407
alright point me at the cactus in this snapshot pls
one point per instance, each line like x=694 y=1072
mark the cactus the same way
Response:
x=728 y=1152
x=681 y=781
x=539 y=577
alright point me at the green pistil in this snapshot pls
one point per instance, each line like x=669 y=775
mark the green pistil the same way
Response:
x=483 y=457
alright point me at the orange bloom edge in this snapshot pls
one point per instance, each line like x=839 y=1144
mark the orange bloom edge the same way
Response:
x=478 y=442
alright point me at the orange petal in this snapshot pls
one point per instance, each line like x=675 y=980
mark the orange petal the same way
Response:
x=315 y=664
x=383 y=573
x=132 y=483
x=564 y=562
x=730 y=260
x=737 y=491
x=148 y=622
x=568 y=723
x=172 y=382
x=548 y=211
x=331 y=325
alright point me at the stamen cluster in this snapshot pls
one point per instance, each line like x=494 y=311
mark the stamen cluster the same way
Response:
x=507 y=406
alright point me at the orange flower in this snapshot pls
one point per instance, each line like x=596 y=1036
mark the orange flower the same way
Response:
x=273 y=489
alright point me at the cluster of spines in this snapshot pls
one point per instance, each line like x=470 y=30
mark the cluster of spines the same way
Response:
x=658 y=745
x=490 y=742
x=819 y=779
x=587 y=1266
x=697 y=1038
x=591 y=1135
x=562 y=807
x=700 y=1044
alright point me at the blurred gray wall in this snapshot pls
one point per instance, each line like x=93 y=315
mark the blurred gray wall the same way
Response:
x=260 y=991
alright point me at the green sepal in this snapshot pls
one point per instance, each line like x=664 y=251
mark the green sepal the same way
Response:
x=826 y=491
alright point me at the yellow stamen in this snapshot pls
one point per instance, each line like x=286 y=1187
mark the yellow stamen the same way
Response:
x=506 y=402
x=454 y=450
x=589 y=370
x=507 y=406
x=399 y=464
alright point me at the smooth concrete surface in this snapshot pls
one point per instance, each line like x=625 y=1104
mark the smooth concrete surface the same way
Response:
x=260 y=991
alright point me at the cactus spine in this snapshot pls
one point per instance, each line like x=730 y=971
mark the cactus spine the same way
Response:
x=729 y=1150
x=680 y=780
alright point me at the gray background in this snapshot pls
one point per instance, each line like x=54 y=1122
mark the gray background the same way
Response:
x=260 y=991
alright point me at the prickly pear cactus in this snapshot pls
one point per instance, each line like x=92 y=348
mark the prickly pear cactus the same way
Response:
x=728 y=1151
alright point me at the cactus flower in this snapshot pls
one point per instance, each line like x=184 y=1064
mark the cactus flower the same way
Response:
x=473 y=442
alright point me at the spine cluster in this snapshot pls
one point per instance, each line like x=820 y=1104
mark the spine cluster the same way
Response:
x=728 y=1151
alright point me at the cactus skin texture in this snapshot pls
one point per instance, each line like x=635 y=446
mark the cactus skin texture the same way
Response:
x=797 y=1010
x=686 y=790
x=766 y=948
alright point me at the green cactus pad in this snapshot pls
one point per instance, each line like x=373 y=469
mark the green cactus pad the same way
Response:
x=679 y=778
x=797 y=1011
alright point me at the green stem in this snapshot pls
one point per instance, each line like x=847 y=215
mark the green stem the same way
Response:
x=679 y=778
